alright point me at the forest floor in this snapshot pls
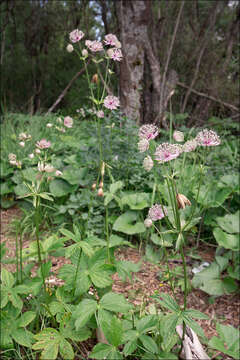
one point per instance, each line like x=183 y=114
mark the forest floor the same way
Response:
x=224 y=309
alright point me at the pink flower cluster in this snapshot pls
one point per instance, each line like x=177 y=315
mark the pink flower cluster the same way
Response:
x=111 y=102
x=68 y=122
x=148 y=132
x=43 y=144
x=76 y=35
x=94 y=46
x=207 y=138
x=166 y=152
x=112 y=40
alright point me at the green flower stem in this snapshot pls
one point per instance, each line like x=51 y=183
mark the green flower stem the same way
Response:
x=107 y=235
x=105 y=80
x=17 y=251
x=21 y=263
x=38 y=240
x=75 y=278
x=185 y=290
x=166 y=257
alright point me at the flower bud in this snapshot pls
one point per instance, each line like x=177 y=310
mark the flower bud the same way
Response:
x=31 y=156
x=100 y=192
x=94 y=186
x=95 y=79
x=148 y=222
x=182 y=201
x=49 y=125
x=103 y=169
x=101 y=184
x=70 y=48
x=178 y=136
x=22 y=143
x=84 y=52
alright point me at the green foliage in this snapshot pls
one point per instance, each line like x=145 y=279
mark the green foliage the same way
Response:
x=227 y=342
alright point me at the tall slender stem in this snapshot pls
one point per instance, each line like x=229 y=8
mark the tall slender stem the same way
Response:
x=38 y=241
x=78 y=264
x=107 y=235
x=16 y=246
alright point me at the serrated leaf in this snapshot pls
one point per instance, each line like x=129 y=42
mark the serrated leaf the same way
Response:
x=136 y=201
x=130 y=347
x=168 y=302
x=100 y=351
x=114 y=187
x=26 y=318
x=229 y=222
x=228 y=241
x=7 y=278
x=115 y=302
x=100 y=278
x=66 y=350
x=59 y=187
x=23 y=337
x=113 y=331
x=193 y=325
x=146 y=324
x=195 y=314
x=84 y=311
x=149 y=344
x=50 y=351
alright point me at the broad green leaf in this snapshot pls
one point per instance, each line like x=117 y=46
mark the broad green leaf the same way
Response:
x=195 y=314
x=100 y=277
x=29 y=174
x=44 y=269
x=113 y=331
x=59 y=187
x=84 y=311
x=69 y=234
x=228 y=241
x=66 y=350
x=193 y=325
x=130 y=347
x=229 y=222
x=168 y=325
x=7 y=278
x=115 y=302
x=149 y=343
x=126 y=268
x=23 y=337
x=114 y=187
x=167 y=301
x=50 y=351
x=76 y=176
x=127 y=223
x=101 y=351
x=146 y=324
x=5 y=188
x=222 y=262
x=108 y=198
x=26 y=318
x=21 y=190
x=136 y=201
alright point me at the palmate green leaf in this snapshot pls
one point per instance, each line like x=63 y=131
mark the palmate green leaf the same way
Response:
x=50 y=351
x=101 y=351
x=100 y=277
x=83 y=312
x=228 y=343
x=168 y=325
x=126 y=268
x=114 y=187
x=167 y=302
x=147 y=323
x=127 y=223
x=69 y=235
x=149 y=343
x=48 y=340
x=115 y=302
x=195 y=314
x=130 y=347
x=113 y=331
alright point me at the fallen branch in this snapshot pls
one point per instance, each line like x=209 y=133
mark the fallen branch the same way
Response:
x=230 y=106
x=192 y=348
x=61 y=96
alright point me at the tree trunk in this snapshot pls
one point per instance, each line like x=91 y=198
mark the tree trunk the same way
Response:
x=133 y=18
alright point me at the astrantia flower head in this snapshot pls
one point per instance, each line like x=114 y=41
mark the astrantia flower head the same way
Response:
x=12 y=157
x=189 y=145
x=111 y=102
x=68 y=122
x=94 y=46
x=143 y=145
x=22 y=143
x=58 y=173
x=156 y=212
x=84 y=52
x=147 y=163
x=111 y=39
x=115 y=54
x=178 y=136
x=49 y=125
x=166 y=152
x=76 y=35
x=207 y=138
x=148 y=132
x=100 y=114
x=31 y=156
x=43 y=144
